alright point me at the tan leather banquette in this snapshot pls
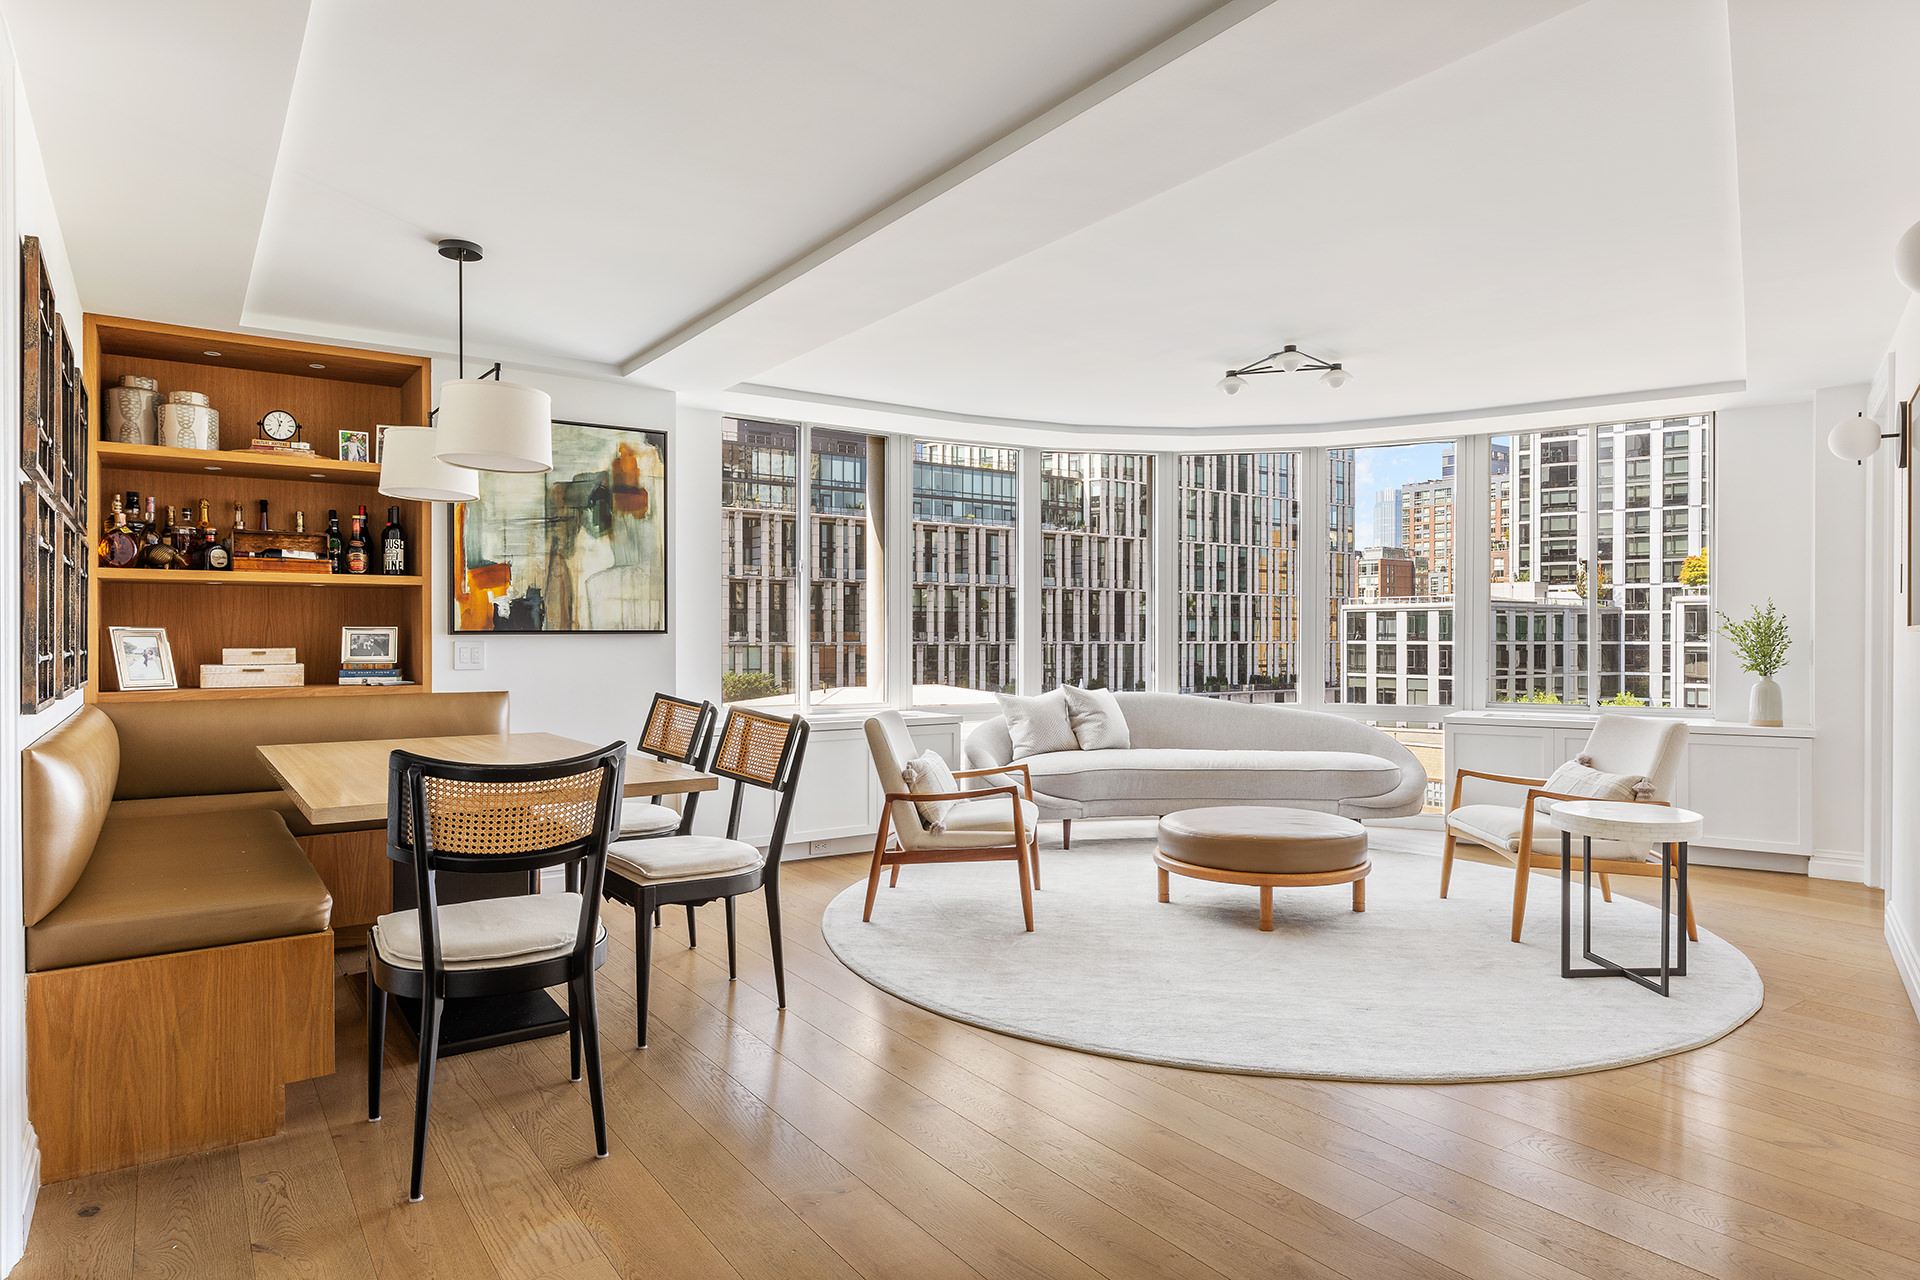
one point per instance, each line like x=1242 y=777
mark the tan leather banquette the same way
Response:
x=178 y=909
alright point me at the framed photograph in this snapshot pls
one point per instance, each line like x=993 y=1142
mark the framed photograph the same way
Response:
x=354 y=447
x=142 y=658
x=581 y=548
x=380 y=443
x=369 y=644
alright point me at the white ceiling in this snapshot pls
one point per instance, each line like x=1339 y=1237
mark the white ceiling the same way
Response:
x=1078 y=211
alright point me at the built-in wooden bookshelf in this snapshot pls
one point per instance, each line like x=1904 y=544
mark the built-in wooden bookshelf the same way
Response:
x=328 y=389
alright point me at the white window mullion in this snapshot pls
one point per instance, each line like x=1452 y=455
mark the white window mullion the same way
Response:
x=1163 y=578
x=1472 y=571
x=1026 y=589
x=1314 y=581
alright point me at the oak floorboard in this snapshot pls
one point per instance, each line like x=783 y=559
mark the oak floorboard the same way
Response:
x=83 y=1227
x=190 y=1219
x=300 y=1214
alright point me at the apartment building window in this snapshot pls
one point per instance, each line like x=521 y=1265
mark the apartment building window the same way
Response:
x=1238 y=560
x=1094 y=518
x=1402 y=522
x=794 y=534
x=966 y=517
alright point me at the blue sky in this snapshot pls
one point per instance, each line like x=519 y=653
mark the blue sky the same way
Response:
x=1383 y=469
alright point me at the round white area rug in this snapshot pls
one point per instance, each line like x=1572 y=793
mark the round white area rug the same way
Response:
x=1414 y=989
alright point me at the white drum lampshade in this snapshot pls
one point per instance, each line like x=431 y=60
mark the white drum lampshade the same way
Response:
x=494 y=426
x=408 y=469
x=1856 y=438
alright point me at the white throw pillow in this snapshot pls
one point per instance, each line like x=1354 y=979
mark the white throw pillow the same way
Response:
x=928 y=775
x=1096 y=719
x=1575 y=778
x=1038 y=725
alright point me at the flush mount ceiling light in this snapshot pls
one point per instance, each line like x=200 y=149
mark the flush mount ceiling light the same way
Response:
x=490 y=426
x=1288 y=359
x=1858 y=438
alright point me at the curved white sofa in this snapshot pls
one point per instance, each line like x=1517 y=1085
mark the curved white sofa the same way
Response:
x=1189 y=752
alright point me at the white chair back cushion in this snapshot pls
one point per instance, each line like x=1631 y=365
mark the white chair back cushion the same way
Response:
x=1643 y=745
x=891 y=744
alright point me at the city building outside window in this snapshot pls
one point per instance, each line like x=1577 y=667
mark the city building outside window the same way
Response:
x=1238 y=559
x=1401 y=593
x=1094 y=628
x=965 y=522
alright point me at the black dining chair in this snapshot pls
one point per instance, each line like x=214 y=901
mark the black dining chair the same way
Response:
x=500 y=820
x=756 y=750
x=678 y=730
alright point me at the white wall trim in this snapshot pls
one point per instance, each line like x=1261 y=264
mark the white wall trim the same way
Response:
x=1906 y=957
x=1838 y=864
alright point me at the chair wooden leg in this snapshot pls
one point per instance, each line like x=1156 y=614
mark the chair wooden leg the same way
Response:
x=573 y=1036
x=1606 y=887
x=1522 y=873
x=376 y=1043
x=1033 y=851
x=1066 y=833
x=893 y=881
x=771 y=890
x=692 y=940
x=431 y=1007
x=642 y=974
x=1446 y=865
x=733 y=970
x=1026 y=892
x=580 y=997
x=873 y=876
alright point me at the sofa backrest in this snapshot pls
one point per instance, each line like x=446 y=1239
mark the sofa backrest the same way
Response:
x=66 y=784
x=190 y=748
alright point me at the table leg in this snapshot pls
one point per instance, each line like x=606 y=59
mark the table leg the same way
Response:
x=1163 y=885
x=1266 y=908
x=1608 y=968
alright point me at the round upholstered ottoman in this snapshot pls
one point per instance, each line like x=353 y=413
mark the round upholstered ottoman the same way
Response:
x=1266 y=847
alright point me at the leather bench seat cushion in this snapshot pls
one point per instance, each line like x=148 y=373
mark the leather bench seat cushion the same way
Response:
x=163 y=883
x=1266 y=841
x=273 y=801
x=1168 y=773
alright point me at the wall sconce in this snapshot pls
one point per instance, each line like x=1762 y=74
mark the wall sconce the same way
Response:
x=1858 y=438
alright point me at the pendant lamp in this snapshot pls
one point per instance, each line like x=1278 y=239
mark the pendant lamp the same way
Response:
x=490 y=425
x=408 y=469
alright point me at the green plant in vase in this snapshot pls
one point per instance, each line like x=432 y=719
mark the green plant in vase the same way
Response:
x=1761 y=641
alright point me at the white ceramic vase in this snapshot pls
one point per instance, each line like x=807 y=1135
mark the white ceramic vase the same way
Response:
x=187 y=426
x=1763 y=704
x=131 y=411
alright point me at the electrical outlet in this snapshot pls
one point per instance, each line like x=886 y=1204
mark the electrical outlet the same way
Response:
x=469 y=655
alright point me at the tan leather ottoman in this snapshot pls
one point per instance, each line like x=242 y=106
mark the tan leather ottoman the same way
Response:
x=1264 y=847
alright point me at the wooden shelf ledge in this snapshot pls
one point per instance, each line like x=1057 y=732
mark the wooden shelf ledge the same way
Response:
x=115 y=456
x=243 y=577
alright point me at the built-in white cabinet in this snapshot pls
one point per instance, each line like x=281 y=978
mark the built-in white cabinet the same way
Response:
x=1753 y=785
x=838 y=798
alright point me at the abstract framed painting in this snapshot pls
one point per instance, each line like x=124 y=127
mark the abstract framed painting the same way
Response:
x=581 y=548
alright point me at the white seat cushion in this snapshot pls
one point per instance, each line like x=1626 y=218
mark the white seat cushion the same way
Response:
x=1497 y=826
x=682 y=858
x=976 y=824
x=489 y=933
x=1173 y=773
x=637 y=819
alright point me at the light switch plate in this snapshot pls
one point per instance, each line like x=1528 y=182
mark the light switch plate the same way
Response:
x=469 y=655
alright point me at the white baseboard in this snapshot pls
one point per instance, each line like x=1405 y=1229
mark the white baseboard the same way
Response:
x=1906 y=957
x=1701 y=855
x=1836 y=864
x=32 y=1189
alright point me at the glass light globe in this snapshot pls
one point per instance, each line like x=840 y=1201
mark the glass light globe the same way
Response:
x=1290 y=360
x=1906 y=258
x=1855 y=439
x=1336 y=377
x=1231 y=384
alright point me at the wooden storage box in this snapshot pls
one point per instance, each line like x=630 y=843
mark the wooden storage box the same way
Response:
x=273 y=675
x=257 y=657
x=265 y=564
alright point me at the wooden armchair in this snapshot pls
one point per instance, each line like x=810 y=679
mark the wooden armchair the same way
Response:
x=979 y=827
x=1630 y=745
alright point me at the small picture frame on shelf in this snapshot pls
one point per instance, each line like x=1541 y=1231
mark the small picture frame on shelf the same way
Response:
x=369 y=644
x=380 y=443
x=354 y=447
x=142 y=658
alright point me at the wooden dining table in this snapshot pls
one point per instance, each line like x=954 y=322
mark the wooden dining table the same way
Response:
x=346 y=782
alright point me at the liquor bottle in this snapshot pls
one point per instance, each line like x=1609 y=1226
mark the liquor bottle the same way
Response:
x=393 y=544
x=135 y=525
x=239 y=519
x=357 y=544
x=117 y=548
x=153 y=523
x=215 y=554
x=336 y=553
x=159 y=552
x=183 y=537
x=299 y=522
x=265 y=527
x=206 y=522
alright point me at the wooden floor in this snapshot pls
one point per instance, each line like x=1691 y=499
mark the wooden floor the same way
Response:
x=858 y=1135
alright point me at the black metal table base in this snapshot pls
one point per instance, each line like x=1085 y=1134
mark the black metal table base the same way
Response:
x=1673 y=867
x=485 y=1021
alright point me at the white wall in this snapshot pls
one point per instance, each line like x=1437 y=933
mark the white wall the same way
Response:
x=1903 y=764
x=26 y=208
x=592 y=687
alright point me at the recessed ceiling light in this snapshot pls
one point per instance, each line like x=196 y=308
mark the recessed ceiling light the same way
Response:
x=213 y=468
x=318 y=475
x=210 y=353
x=316 y=366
